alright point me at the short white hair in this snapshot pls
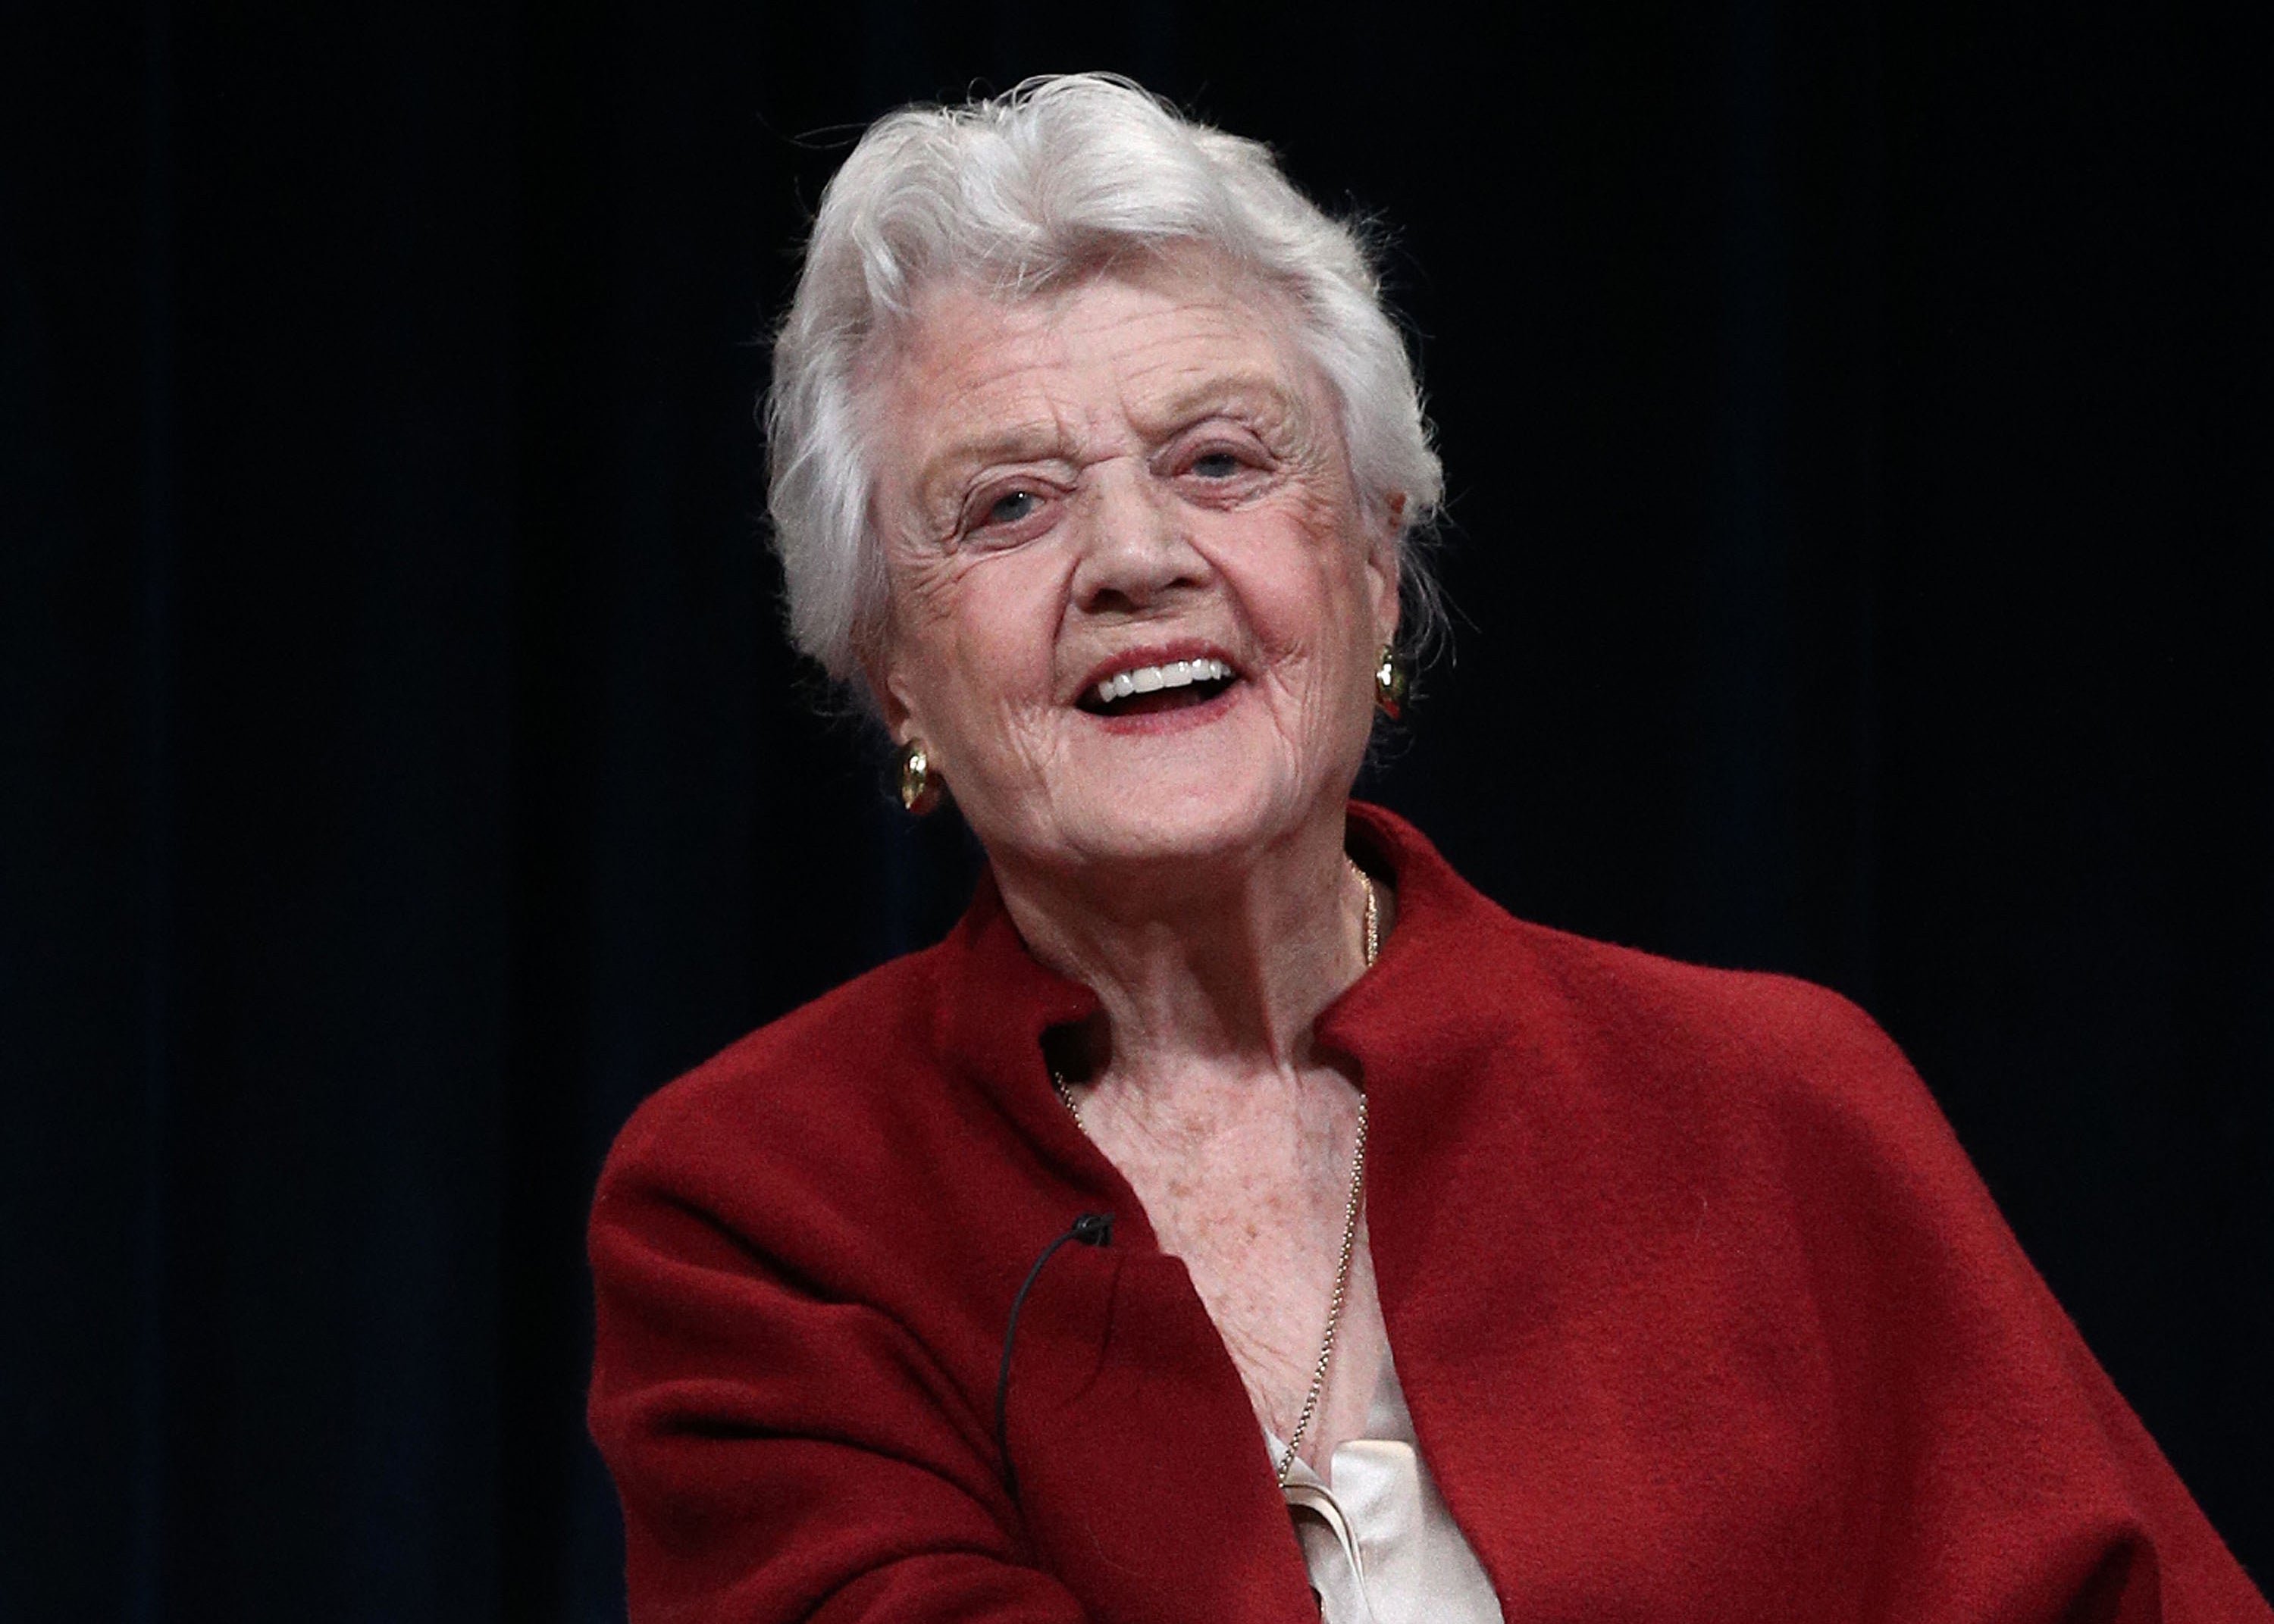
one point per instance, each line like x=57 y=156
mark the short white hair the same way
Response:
x=1020 y=194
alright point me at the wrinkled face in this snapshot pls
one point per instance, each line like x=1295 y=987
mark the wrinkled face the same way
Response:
x=1135 y=487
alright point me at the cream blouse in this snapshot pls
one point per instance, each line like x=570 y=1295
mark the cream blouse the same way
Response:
x=1381 y=1546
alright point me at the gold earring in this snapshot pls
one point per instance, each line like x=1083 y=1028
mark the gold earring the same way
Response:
x=1392 y=681
x=919 y=790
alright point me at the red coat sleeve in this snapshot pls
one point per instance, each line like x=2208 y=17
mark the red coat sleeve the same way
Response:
x=1995 y=1470
x=781 y=1454
x=1703 y=1313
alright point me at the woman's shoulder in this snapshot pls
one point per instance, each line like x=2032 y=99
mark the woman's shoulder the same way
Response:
x=1696 y=1014
x=818 y=1072
x=1732 y=1064
x=1654 y=1079
x=1546 y=988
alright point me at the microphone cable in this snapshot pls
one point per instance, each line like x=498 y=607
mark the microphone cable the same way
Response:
x=1091 y=1230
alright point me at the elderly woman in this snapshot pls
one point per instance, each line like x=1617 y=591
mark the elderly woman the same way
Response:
x=1427 y=1264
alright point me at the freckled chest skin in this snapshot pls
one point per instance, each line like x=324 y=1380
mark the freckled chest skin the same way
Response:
x=1137 y=460
x=1244 y=1179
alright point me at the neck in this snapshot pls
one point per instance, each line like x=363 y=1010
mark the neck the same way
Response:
x=1202 y=968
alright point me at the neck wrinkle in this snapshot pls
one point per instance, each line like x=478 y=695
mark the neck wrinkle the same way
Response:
x=1396 y=1028
x=1230 y=975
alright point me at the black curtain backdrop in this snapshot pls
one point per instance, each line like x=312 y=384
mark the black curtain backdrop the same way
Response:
x=1857 y=423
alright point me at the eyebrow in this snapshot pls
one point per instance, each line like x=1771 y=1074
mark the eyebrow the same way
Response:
x=1038 y=441
x=1251 y=389
x=1021 y=442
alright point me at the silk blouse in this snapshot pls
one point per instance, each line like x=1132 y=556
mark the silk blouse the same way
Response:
x=1378 y=1540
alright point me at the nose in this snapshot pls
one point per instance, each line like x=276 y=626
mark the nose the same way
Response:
x=1137 y=553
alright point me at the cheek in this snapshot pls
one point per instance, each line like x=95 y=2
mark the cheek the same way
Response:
x=1308 y=593
x=979 y=633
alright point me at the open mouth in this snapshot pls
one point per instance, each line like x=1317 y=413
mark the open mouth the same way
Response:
x=1143 y=690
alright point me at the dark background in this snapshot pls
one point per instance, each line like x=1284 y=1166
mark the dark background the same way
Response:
x=1858 y=431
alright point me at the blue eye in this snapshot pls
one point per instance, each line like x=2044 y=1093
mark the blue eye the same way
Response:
x=1216 y=465
x=1010 y=508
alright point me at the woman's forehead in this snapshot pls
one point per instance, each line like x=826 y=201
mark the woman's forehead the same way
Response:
x=1156 y=346
x=1194 y=289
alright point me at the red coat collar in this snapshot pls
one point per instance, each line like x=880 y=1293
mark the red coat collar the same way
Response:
x=994 y=1001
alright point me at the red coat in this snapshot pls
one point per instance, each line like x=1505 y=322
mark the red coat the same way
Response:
x=1700 y=1312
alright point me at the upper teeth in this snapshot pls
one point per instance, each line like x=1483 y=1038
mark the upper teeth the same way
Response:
x=1148 y=679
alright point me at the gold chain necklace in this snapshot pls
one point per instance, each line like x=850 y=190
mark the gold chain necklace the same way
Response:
x=1350 y=1208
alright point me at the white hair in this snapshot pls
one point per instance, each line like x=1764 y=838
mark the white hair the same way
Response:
x=1020 y=194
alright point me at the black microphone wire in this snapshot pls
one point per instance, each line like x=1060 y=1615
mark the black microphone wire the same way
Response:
x=1091 y=1230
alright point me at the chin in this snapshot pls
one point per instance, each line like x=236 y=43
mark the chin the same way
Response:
x=1201 y=825
x=1155 y=797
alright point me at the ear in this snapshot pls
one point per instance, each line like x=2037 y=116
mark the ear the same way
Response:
x=1384 y=549
x=889 y=687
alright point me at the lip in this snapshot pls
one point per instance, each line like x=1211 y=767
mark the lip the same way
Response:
x=1175 y=721
x=1157 y=654
x=1162 y=653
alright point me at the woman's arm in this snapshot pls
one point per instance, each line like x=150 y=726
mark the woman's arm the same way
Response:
x=784 y=1456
